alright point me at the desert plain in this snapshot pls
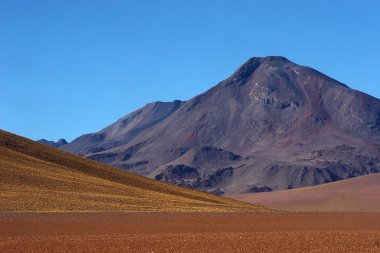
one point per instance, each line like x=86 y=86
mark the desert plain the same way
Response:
x=189 y=232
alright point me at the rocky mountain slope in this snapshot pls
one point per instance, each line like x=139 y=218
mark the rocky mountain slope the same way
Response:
x=123 y=130
x=272 y=125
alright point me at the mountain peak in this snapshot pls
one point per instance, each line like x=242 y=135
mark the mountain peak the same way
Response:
x=275 y=58
x=267 y=58
x=249 y=67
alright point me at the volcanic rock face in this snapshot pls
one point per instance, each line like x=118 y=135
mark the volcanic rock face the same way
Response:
x=272 y=125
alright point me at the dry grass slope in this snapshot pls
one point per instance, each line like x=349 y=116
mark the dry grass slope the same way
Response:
x=35 y=177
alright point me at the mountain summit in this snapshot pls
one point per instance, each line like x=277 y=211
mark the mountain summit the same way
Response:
x=271 y=125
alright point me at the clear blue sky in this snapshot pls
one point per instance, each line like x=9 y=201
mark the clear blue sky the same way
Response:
x=74 y=66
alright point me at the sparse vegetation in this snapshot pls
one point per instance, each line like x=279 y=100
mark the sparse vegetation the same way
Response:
x=35 y=177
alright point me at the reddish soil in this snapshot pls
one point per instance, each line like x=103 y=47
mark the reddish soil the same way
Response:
x=190 y=232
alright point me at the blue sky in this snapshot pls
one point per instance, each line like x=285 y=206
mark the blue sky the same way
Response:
x=73 y=67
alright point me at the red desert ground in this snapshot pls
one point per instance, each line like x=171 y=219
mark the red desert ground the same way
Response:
x=53 y=201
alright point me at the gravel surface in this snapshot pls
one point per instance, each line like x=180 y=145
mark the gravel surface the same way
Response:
x=189 y=232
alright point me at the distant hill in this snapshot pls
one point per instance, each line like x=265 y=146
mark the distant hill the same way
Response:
x=54 y=144
x=271 y=125
x=36 y=177
x=359 y=194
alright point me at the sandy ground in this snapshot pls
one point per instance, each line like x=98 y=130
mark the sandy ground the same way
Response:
x=359 y=194
x=189 y=232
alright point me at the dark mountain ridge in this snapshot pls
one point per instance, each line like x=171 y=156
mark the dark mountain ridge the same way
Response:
x=54 y=144
x=272 y=125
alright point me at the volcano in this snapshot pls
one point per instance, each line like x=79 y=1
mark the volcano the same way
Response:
x=271 y=125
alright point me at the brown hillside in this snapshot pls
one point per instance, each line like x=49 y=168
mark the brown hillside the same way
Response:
x=35 y=177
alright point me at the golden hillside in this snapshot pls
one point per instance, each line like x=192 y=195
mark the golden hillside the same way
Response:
x=35 y=177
